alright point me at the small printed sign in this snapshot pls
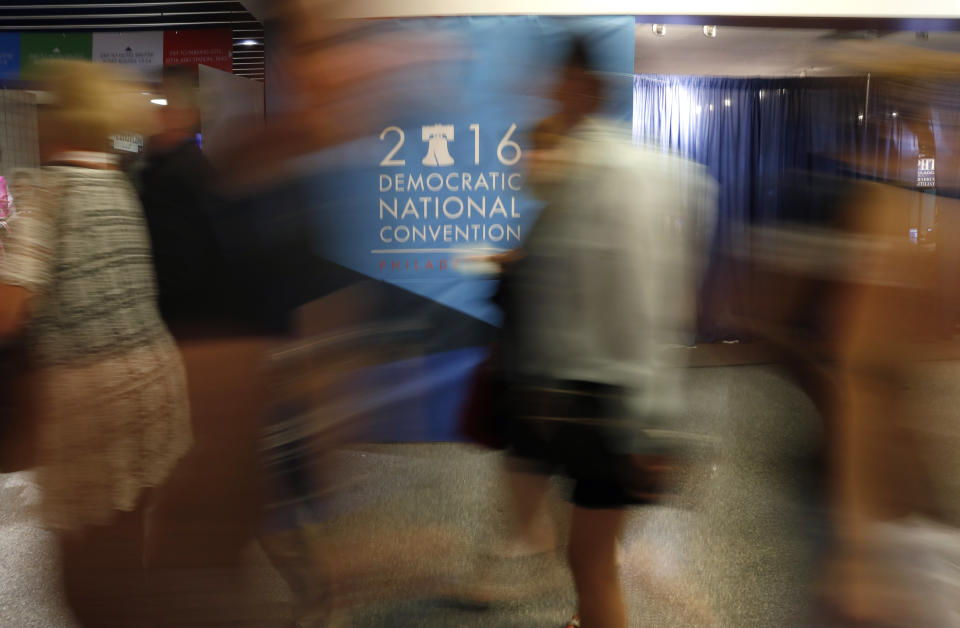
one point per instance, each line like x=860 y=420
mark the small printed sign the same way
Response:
x=211 y=47
x=128 y=143
x=926 y=173
x=141 y=50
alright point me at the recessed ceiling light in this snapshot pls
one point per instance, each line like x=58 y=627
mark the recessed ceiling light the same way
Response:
x=159 y=101
x=710 y=31
x=659 y=29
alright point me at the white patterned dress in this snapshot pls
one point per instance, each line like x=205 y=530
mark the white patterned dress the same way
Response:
x=112 y=399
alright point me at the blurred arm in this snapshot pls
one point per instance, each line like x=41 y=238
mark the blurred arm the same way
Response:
x=13 y=307
x=25 y=267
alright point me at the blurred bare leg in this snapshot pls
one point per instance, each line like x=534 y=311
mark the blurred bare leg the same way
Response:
x=207 y=512
x=594 y=536
x=533 y=530
x=103 y=574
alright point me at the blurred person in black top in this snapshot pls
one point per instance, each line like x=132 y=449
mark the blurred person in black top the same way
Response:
x=176 y=183
x=209 y=509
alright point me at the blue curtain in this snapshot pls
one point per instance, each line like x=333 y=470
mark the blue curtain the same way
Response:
x=751 y=134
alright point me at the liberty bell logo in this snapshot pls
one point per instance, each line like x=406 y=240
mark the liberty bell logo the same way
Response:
x=437 y=136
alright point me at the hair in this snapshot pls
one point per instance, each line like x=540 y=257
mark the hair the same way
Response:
x=580 y=54
x=90 y=102
x=312 y=23
x=580 y=57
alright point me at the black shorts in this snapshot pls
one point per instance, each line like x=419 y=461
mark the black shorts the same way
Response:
x=574 y=429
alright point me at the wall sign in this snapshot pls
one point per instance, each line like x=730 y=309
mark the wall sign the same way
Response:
x=36 y=47
x=140 y=50
x=438 y=202
x=210 y=47
x=144 y=51
x=926 y=173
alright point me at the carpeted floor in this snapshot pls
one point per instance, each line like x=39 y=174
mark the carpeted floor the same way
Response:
x=404 y=525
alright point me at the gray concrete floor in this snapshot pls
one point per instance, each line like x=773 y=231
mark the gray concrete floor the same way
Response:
x=407 y=521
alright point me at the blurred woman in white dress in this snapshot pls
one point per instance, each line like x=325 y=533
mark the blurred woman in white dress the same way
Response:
x=112 y=415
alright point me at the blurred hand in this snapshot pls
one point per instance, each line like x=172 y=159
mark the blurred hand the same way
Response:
x=500 y=259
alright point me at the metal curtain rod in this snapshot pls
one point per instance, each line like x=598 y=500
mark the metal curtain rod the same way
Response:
x=114 y=5
x=866 y=102
x=120 y=15
x=60 y=27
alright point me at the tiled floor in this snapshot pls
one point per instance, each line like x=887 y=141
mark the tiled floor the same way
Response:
x=406 y=521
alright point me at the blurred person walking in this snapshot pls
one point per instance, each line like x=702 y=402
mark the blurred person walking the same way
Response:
x=254 y=223
x=110 y=392
x=848 y=305
x=176 y=183
x=208 y=511
x=603 y=285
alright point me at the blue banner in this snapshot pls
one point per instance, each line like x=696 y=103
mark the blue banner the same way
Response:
x=442 y=180
x=9 y=56
x=439 y=181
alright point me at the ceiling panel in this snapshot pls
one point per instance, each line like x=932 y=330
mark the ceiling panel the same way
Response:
x=52 y=15
x=754 y=51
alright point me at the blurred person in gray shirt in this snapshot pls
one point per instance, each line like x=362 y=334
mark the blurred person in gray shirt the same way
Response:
x=602 y=290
